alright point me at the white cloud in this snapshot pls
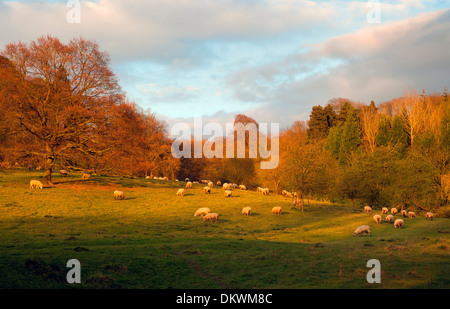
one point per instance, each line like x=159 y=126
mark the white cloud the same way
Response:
x=376 y=63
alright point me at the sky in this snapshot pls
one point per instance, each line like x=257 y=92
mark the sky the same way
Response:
x=272 y=60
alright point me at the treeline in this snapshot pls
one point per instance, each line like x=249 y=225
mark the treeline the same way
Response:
x=61 y=106
x=393 y=154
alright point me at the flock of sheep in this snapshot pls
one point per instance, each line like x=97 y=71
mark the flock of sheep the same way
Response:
x=398 y=223
x=214 y=217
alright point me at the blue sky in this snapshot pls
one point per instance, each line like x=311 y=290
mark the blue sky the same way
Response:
x=272 y=60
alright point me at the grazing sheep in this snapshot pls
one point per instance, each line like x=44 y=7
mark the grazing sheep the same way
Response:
x=394 y=211
x=219 y=183
x=367 y=209
x=404 y=213
x=36 y=184
x=228 y=193
x=265 y=191
x=384 y=210
x=242 y=187
x=362 y=229
x=398 y=224
x=188 y=185
x=207 y=189
x=284 y=192
x=377 y=219
x=118 y=195
x=64 y=172
x=181 y=192
x=277 y=210
x=288 y=194
x=225 y=186
x=202 y=211
x=411 y=215
x=211 y=217
x=210 y=184
x=85 y=175
x=389 y=218
x=429 y=215
x=247 y=211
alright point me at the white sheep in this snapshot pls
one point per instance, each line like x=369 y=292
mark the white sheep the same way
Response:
x=277 y=210
x=202 y=211
x=219 y=183
x=242 y=187
x=225 y=186
x=188 y=185
x=211 y=217
x=288 y=194
x=389 y=218
x=284 y=192
x=398 y=224
x=404 y=213
x=247 y=211
x=394 y=211
x=181 y=192
x=119 y=195
x=384 y=210
x=377 y=219
x=265 y=191
x=362 y=229
x=367 y=209
x=207 y=189
x=36 y=184
x=429 y=215
x=412 y=215
x=228 y=193
x=64 y=172
x=210 y=184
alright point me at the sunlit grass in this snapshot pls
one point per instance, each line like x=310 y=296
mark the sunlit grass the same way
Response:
x=152 y=239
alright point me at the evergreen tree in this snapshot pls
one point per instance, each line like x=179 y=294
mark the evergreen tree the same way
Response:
x=333 y=141
x=351 y=136
x=320 y=121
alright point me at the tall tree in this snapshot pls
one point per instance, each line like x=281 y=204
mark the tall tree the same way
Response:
x=351 y=136
x=320 y=121
x=370 y=123
x=61 y=94
x=412 y=110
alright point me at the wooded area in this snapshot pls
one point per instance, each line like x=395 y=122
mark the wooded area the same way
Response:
x=61 y=107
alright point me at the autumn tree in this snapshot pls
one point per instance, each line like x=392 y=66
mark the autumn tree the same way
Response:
x=370 y=124
x=240 y=168
x=412 y=110
x=60 y=93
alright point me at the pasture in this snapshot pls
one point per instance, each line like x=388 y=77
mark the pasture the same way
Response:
x=151 y=239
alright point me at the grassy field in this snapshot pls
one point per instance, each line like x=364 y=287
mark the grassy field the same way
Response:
x=152 y=239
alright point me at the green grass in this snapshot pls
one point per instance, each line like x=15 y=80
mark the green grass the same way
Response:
x=152 y=239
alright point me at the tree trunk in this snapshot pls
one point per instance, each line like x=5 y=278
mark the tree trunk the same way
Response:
x=49 y=164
